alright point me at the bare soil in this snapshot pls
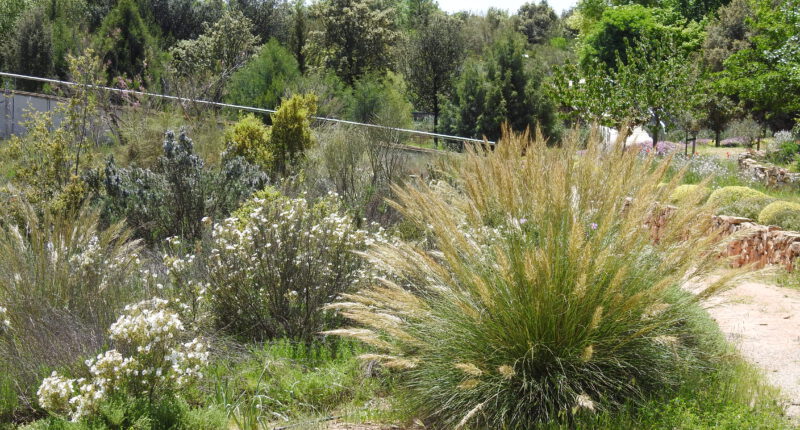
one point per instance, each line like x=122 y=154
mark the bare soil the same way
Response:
x=763 y=322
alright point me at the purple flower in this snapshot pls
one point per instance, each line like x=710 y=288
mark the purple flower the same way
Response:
x=594 y=226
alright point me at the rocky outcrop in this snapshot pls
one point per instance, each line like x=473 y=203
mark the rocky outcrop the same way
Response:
x=758 y=244
x=770 y=175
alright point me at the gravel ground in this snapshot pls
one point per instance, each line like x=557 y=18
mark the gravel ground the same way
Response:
x=763 y=321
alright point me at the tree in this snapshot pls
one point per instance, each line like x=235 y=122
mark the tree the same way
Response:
x=203 y=66
x=514 y=94
x=181 y=19
x=694 y=10
x=263 y=81
x=10 y=10
x=503 y=90
x=355 y=37
x=622 y=26
x=30 y=49
x=435 y=53
x=536 y=21
x=726 y=34
x=716 y=109
x=298 y=38
x=270 y=18
x=464 y=113
x=766 y=76
x=654 y=87
x=416 y=14
x=124 y=41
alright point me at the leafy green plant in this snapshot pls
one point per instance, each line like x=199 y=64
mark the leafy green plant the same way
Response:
x=689 y=194
x=291 y=129
x=249 y=138
x=739 y=201
x=544 y=297
x=172 y=199
x=783 y=214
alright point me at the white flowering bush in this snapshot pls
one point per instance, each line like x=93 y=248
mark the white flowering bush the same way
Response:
x=273 y=266
x=5 y=323
x=62 y=282
x=150 y=360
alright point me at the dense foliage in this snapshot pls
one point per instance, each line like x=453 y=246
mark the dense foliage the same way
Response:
x=175 y=264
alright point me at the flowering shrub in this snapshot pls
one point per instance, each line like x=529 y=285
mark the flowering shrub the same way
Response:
x=157 y=362
x=271 y=268
x=5 y=323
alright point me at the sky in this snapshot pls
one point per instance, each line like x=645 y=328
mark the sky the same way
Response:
x=509 y=5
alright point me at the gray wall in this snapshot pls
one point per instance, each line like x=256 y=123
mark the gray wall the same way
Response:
x=13 y=109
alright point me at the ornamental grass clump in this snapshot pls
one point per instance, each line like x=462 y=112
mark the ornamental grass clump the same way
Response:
x=62 y=281
x=545 y=294
x=273 y=266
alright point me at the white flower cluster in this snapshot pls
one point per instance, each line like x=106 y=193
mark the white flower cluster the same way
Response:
x=5 y=323
x=150 y=330
x=150 y=325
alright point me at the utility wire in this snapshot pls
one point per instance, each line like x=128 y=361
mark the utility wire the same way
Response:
x=241 y=107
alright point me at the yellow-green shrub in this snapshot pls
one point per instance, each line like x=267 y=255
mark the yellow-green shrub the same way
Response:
x=291 y=129
x=249 y=138
x=689 y=193
x=783 y=214
x=739 y=201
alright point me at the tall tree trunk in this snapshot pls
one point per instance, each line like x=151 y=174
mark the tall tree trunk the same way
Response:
x=716 y=137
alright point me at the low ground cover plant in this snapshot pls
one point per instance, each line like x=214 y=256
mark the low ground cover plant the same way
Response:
x=739 y=201
x=689 y=194
x=783 y=214
x=544 y=296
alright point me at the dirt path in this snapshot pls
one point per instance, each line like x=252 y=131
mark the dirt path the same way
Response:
x=763 y=321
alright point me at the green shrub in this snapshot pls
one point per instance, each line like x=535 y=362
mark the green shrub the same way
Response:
x=783 y=214
x=291 y=129
x=249 y=139
x=263 y=81
x=172 y=199
x=543 y=296
x=689 y=193
x=270 y=269
x=377 y=97
x=739 y=201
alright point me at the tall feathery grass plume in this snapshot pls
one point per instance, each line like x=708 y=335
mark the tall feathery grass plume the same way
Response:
x=547 y=288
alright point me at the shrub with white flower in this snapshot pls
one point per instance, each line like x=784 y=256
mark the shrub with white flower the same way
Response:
x=151 y=358
x=273 y=266
x=5 y=323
